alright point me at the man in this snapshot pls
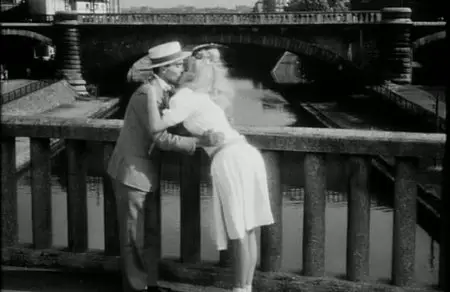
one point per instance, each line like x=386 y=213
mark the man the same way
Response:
x=134 y=164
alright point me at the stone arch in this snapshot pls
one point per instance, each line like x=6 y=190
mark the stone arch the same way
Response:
x=429 y=39
x=108 y=64
x=28 y=34
x=277 y=42
x=272 y=41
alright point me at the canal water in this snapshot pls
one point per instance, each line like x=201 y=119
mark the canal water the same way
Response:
x=255 y=105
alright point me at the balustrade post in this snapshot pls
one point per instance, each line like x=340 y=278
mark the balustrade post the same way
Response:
x=41 y=192
x=190 y=234
x=396 y=48
x=314 y=215
x=77 y=220
x=405 y=220
x=68 y=50
x=319 y=18
x=272 y=235
x=9 y=192
x=358 y=223
x=112 y=246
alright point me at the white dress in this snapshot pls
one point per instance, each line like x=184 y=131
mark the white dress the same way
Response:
x=240 y=191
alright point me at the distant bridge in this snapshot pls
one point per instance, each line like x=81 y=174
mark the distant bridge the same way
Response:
x=104 y=46
x=282 y=18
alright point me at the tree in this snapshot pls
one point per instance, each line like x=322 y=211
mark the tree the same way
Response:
x=318 y=5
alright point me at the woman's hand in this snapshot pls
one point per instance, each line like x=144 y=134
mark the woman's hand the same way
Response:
x=211 y=138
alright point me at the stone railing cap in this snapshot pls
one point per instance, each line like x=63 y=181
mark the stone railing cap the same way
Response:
x=66 y=16
x=318 y=140
x=396 y=10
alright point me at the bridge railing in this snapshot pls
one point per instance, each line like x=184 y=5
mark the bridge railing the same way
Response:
x=283 y=18
x=279 y=18
x=26 y=89
x=358 y=145
x=388 y=92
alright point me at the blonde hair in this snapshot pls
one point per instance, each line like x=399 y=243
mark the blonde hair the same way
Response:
x=214 y=56
x=212 y=78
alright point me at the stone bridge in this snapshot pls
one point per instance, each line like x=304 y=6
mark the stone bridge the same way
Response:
x=99 y=49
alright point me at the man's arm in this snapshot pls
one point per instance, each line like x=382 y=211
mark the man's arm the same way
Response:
x=179 y=130
x=169 y=142
x=166 y=141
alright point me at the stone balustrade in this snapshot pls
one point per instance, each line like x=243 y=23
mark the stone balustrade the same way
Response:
x=281 y=18
x=360 y=146
x=299 y=18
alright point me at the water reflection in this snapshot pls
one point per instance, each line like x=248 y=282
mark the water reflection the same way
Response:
x=257 y=106
x=254 y=106
x=336 y=222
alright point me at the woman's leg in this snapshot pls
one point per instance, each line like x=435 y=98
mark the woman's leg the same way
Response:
x=253 y=255
x=241 y=262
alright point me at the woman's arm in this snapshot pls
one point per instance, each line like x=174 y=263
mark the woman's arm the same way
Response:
x=180 y=109
x=179 y=130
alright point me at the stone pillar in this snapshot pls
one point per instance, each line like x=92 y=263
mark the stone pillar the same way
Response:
x=395 y=44
x=68 y=50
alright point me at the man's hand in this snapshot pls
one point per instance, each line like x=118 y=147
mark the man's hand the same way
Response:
x=211 y=138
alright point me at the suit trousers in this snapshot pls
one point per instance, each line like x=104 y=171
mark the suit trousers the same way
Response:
x=131 y=218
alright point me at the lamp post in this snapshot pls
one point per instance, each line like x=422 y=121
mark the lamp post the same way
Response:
x=438 y=124
x=438 y=120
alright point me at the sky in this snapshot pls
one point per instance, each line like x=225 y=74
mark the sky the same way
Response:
x=196 y=3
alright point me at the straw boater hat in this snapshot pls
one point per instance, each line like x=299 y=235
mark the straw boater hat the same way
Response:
x=166 y=54
x=157 y=56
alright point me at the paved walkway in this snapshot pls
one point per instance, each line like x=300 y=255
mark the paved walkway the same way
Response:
x=436 y=91
x=44 y=280
x=425 y=97
x=75 y=110
x=56 y=100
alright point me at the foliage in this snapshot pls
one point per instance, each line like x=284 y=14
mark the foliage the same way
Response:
x=318 y=5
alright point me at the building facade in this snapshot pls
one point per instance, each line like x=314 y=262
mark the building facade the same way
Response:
x=50 y=7
x=97 y=6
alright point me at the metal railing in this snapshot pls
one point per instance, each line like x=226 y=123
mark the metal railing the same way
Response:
x=25 y=90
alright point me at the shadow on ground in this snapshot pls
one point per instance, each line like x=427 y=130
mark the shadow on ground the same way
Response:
x=46 y=281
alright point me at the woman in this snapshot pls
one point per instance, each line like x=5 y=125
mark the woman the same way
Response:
x=223 y=95
x=240 y=192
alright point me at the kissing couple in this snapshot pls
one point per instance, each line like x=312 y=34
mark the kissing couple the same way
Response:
x=191 y=92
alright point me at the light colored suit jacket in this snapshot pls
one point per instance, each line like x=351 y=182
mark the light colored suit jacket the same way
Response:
x=131 y=163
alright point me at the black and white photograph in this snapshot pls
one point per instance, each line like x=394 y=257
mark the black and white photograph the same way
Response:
x=225 y=146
